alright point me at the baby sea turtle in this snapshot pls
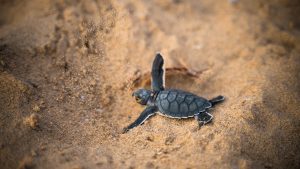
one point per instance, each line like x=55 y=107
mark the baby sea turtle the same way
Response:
x=172 y=103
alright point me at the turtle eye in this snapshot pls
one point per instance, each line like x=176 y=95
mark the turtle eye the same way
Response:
x=138 y=99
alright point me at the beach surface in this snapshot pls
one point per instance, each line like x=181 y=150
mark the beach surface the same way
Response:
x=68 y=69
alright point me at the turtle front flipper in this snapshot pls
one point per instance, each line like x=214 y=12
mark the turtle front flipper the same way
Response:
x=157 y=73
x=203 y=118
x=149 y=111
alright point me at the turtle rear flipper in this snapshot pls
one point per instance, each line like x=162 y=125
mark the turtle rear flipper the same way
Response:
x=203 y=118
x=149 y=111
x=217 y=100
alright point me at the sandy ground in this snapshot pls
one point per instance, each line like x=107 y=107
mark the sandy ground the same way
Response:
x=67 y=70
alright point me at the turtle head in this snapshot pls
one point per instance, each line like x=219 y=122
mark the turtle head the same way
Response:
x=142 y=96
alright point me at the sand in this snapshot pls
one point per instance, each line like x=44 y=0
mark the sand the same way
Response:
x=68 y=68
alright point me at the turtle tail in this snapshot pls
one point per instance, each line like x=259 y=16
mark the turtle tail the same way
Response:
x=217 y=100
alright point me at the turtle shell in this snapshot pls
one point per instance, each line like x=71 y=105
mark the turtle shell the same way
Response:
x=180 y=104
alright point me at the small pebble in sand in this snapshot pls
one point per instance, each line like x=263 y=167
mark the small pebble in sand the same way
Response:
x=42 y=147
x=36 y=108
x=150 y=138
x=26 y=163
x=76 y=167
x=169 y=140
x=32 y=121
x=93 y=82
x=233 y=1
x=33 y=153
x=2 y=63
x=99 y=110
